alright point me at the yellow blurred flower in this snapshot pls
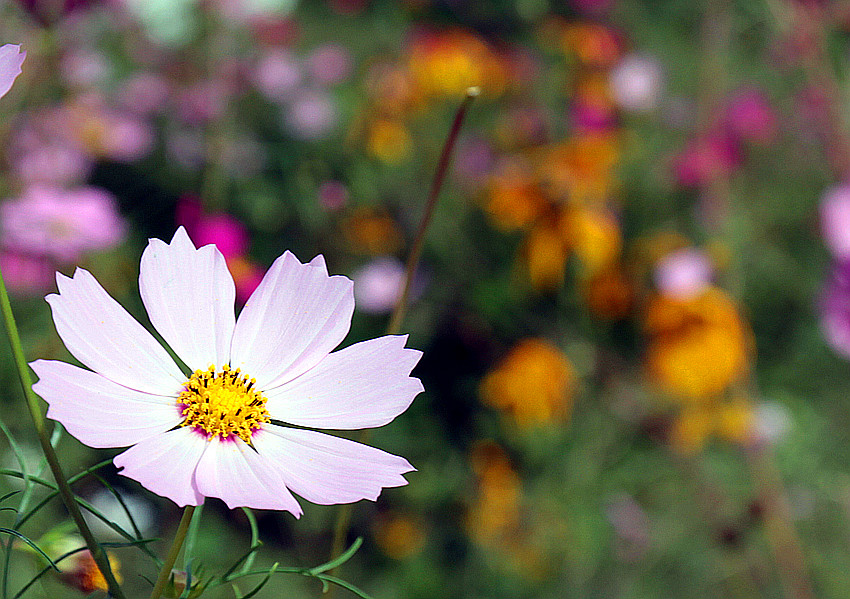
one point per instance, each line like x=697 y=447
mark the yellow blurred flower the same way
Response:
x=371 y=232
x=534 y=383
x=399 y=536
x=731 y=421
x=389 y=141
x=698 y=347
x=595 y=238
x=447 y=63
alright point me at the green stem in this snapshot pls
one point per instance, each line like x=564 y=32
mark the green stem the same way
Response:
x=343 y=518
x=176 y=544
x=62 y=485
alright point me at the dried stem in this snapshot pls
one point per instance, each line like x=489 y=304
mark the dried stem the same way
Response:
x=343 y=519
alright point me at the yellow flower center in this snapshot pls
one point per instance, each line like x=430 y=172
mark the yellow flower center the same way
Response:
x=223 y=403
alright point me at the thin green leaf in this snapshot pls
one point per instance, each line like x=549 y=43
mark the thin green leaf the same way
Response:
x=45 y=570
x=262 y=583
x=192 y=536
x=25 y=539
x=340 y=559
x=255 y=538
x=225 y=577
x=121 y=502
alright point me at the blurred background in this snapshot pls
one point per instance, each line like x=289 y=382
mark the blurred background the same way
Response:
x=634 y=298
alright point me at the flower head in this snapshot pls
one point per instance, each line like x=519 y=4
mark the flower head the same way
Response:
x=222 y=431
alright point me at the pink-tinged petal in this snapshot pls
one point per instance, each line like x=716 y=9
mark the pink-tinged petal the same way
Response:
x=294 y=318
x=327 y=470
x=190 y=298
x=97 y=411
x=362 y=386
x=236 y=474
x=104 y=337
x=11 y=59
x=319 y=262
x=166 y=464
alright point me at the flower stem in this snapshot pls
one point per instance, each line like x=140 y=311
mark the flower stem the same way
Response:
x=343 y=517
x=62 y=485
x=176 y=545
x=416 y=249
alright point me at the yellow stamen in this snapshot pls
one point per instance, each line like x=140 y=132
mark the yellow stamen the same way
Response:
x=223 y=403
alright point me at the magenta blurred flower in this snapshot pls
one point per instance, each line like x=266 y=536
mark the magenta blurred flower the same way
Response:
x=835 y=220
x=329 y=64
x=705 y=158
x=26 y=274
x=591 y=7
x=587 y=116
x=683 y=274
x=62 y=224
x=378 y=285
x=312 y=115
x=11 y=59
x=333 y=195
x=272 y=365
x=750 y=117
x=835 y=309
x=278 y=74
x=222 y=230
x=636 y=83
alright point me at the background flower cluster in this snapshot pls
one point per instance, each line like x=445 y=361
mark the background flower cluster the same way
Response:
x=633 y=302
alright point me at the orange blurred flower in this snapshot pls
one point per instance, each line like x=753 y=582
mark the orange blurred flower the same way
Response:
x=594 y=44
x=515 y=201
x=595 y=237
x=580 y=170
x=698 y=347
x=495 y=515
x=608 y=293
x=399 y=536
x=371 y=232
x=534 y=383
x=546 y=252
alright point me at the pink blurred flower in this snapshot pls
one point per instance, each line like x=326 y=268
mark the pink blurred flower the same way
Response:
x=312 y=115
x=272 y=365
x=26 y=274
x=683 y=274
x=278 y=74
x=54 y=163
x=378 y=285
x=329 y=64
x=202 y=102
x=636 y=83
x=144 y=93
x=587 y=116
x=11 y=59
x=126 y=138
x=835 y=309
x=84 y=68
x=61 y=223
x=835 y=220
x=333 y=195
x=750 y=117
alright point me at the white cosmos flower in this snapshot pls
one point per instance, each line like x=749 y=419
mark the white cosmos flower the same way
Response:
x=222 y=432
x=11 y=59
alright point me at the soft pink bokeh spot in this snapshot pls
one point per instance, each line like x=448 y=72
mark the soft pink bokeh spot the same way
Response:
x=378 y=284
x=333 y=195
x=835 y=220
x=705 y=158
x=636 y=83
x=62 y=224
x=683 y=274
x=278 y=74
x=329 y=64
x=312 y=115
